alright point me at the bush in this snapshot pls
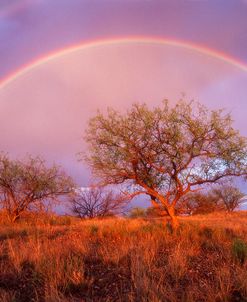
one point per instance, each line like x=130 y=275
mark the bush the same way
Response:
x=94 y=229
x=137 y=213
x=60 y=220
x=239 y=250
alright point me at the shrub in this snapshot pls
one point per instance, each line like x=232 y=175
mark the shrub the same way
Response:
x=239 y=250
x=137 y=213
x=94 y=229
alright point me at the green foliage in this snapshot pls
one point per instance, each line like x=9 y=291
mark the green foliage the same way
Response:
x=239 y=250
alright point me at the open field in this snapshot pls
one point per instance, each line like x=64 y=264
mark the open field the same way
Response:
x=125 y=260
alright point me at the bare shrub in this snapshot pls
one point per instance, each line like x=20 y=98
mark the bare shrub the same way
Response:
x=97 y=202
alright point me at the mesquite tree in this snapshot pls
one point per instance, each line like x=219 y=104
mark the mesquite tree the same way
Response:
x=229 y=195
x=29 y=183
x=165 y=152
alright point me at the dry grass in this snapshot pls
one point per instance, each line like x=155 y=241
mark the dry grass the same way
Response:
x=125 y=260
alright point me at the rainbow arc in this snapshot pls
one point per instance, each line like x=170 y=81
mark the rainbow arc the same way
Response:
x=118 y=41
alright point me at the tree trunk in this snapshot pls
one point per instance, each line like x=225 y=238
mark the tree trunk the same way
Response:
x=13 y=217
x=170 y=211
x=174 y=219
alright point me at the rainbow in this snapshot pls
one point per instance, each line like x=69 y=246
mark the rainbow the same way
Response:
x=116 y=41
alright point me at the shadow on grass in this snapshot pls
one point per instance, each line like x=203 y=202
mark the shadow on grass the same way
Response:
x=103 y=280
x=13 y=234
x=27 y=284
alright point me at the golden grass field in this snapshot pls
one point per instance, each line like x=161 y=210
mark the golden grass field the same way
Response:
x=120 y=259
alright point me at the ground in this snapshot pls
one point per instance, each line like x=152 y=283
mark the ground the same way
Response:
x=117 y=259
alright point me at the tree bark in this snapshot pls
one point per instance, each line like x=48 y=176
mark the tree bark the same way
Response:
x=174 y=219
x=170 y=211
x=13 y=217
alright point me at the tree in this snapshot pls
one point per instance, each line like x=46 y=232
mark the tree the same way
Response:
x=29 y=184
x=199 y=203
x=230 y=196
x=97 y=202
x=165 y=152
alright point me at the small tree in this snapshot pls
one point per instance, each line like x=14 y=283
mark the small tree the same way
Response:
x=199 y=203
x=165 y=152
x=137 y=212
x=29 y=184
x=230 y=196
x=97 y=202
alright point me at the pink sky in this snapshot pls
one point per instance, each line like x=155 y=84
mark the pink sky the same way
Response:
x=45 y=110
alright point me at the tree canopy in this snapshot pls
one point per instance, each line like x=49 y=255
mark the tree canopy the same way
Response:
x=230 y=195
x=166 y=151
x=28 y=183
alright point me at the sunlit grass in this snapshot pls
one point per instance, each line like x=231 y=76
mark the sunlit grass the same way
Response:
x=125 y=260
